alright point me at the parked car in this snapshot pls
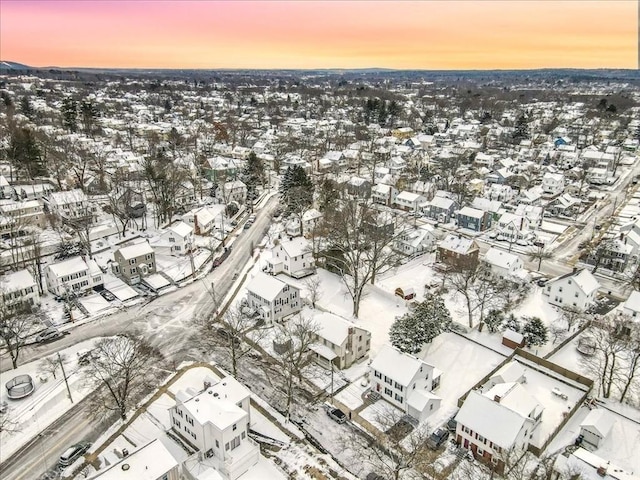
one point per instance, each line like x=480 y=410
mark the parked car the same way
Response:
x=107 y=295
x=452 y=424
x=49 y=335
x=247 y=225
x=337 y=415
x=73 y=453
x=437 y=438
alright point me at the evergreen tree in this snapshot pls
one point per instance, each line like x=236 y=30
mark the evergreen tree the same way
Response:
x=24 y=153
x=429 y=319
x=494 y=320
x=296 y=190
x=26 y=108
x=511 y=323
x=521 y=130
x=70 y=114
x=535 y=332
x=88 y=113
x=253 y=176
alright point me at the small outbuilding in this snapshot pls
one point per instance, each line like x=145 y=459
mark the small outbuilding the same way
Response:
x=595 y=428
x=512 y=339
x=405 y=293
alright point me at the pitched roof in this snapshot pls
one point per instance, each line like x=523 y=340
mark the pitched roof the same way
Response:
x=471 y=212
x=490 y=419
x=583 y=278
x=458 y=244
x=181 y=229
x=500 y=258
x=633 y=302
x=332 y=327
x=14 y=281
x=266 y=286
x=599 y=420
x=296 y=247
x=136 y=250
x=397 y=365
x=68 y=267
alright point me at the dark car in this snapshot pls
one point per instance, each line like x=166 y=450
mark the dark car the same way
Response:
x=452 y=424
x=437 y=438
x=73 y=453
x=49 y=335
x=337 y=415
x=107 y=295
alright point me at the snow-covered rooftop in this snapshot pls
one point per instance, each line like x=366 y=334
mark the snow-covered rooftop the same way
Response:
x=266 y=286
x=399 y=366
x=136 y=250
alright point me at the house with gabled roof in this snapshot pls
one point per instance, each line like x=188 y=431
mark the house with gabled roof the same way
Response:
x=458 y=251
x=339 y=341
x=73 y=276
x=631 y=306
x=415 y=241
x=405 y=382
x=203 y=219
x=216 y=422
x=440 y=209
x=595 y=427
x=177 y=239
x=552 y=184
x=473 y=219
x=19 y=289
x=71 y=204
x=384 y=194
x=577 y=289
x=134 y=262
x=272 y=298
x=293 y=257
x=492 y=423
x=410 y=201
x=503 y=264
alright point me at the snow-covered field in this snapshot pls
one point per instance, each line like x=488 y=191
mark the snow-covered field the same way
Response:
x=47 y=403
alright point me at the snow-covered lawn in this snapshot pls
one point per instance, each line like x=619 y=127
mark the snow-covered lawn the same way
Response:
x=620 y=446
x=380 y=414
x=47 y=403
x=463 y=364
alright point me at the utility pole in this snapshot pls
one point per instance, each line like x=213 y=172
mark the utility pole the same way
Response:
x=64 y=374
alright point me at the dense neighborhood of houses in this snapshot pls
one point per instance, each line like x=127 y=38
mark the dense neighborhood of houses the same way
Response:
x=295 y=231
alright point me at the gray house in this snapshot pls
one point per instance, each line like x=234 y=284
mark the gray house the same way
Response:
x=473 y=219
x=441 y=209
x=135 y=262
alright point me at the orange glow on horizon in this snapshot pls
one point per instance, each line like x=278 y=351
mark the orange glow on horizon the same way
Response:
x=316 y=34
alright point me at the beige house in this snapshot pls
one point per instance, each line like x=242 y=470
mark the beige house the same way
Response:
x=134 y=262
x=339 y=341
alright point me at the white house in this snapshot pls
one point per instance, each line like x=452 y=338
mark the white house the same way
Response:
x=216 y=421
x=233 y=191
x=152 y=461
x=339 y=341
x=19 y=289
x=292 y=257
x=586 y=465
x=503 y=264
x=384 y=194
x=71 y=204
x=72 y=276
x=175 y=240
x=410 y=201
x=491 y=423
x=203 y=219
x=513 y=227
x=272 y=298
x=577 y=289
x=405 y=382
x=415 y=241
x=631 y=306
x=595 y=427
x=552 y=184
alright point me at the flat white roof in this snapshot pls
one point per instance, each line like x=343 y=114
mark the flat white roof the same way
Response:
x=149 y=462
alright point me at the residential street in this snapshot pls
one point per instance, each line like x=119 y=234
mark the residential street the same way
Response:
x=166 y=323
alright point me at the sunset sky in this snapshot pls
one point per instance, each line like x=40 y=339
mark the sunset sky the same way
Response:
x=453 y=34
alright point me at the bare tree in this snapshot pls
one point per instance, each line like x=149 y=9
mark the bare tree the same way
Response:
x=572 y=316
x=539 y=253
x=313 y=287
x=121 y=372
x=51 y=364
x=16 y=323
x=165 y=180
x=394 y=450
x=235 y=332
x=7 y=424
x=357 y=246
x=461 y=280
x=292 y=341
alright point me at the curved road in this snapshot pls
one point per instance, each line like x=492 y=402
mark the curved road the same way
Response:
x=165 y=321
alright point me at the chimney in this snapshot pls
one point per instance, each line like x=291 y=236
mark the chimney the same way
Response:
x=497 y=398
x=602 y=471
x=575 y=269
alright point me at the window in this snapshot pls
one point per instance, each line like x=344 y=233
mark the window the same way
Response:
x=399 y=398
x=226 y=446
x=243 y=435
x=398 y=386
x=132 y=261
x=133 y=270
x=560 y=289
x=217 y=444
x=388 y=392
x=172 y=240
x=480 y=451
x=377 y=374
x=235 y=427
x=576 y=295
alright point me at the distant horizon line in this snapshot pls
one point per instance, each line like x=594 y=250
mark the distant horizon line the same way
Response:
x=293 y=69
